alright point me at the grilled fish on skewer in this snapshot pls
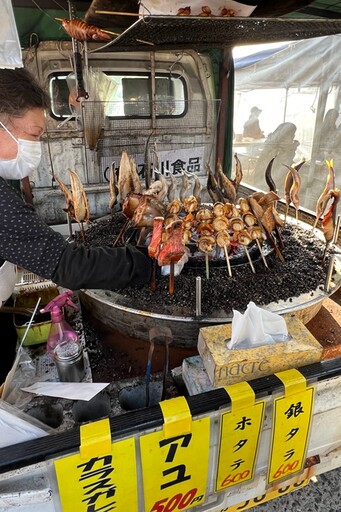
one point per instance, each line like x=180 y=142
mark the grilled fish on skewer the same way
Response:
x=172 y=189
x=213 y=189
x=268 y=199
x=289 y=177
x=258 y=212
x=226 y=185
x=77 y=205
x=291 y=194
x=328 y=221
x=125 y=185
x=185 y=186
x=326 y=193
x=197 y=188
x=238 y=172
x=77 y=201
x=135 y=180
x=112 y=186
x=268 y=177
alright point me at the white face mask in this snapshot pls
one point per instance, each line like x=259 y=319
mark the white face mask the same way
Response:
x=26 y=161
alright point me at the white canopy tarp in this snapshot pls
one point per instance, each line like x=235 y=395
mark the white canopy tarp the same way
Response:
x=10 y=51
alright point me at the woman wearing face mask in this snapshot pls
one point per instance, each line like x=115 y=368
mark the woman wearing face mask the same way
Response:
x=25 y=240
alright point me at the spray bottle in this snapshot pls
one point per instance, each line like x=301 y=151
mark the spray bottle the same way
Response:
x=60 y=330
x=63 y=342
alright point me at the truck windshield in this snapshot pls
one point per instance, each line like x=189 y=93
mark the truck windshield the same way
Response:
x=122 y=95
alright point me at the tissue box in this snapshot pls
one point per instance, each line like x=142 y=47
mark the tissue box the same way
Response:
x=225 y=366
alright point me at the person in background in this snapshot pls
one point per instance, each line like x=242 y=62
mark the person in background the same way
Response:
x=329 y=134
x=251 y=127
x=25 y=239
x=282 y=145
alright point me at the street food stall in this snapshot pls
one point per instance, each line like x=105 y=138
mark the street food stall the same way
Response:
x=212 y=388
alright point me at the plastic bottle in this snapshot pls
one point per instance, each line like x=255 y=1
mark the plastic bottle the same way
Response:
x=60 y=330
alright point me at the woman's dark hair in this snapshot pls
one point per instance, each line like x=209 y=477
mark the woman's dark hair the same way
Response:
x=19 y=92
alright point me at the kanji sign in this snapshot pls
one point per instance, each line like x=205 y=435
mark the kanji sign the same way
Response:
x=291 y=426
x=101 y=476
x=239 y=439
x=175 y=467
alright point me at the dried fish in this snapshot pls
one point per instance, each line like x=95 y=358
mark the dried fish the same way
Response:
x=197 y=188
x=172 y=188
x=185 y=186
x=238 y=172
x=268 y=177
x=326 y=193
x=113 y=189
x=226 y=185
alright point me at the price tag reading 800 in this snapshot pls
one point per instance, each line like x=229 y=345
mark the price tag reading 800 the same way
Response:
x=175 y=469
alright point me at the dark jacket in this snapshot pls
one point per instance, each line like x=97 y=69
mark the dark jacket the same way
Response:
x=27 y=241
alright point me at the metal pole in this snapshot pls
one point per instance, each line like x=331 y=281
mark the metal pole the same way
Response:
x=329 y=273
x=336 y=230
x=198 y=296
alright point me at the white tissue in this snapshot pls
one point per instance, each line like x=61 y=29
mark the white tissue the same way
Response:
x=165 y=270
x=256 y=327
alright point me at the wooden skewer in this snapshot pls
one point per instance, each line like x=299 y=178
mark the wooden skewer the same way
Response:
x=152 y=284
x=286 y=213
x=145 y=42
x=118 y=13
x=110 y=32
x=121 y=233
x=249 y=258
x=171 y=279
x=261 y=253
x=228 y=261
x=207 y=266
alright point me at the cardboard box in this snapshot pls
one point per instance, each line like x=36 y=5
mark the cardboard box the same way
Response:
x=225 y=366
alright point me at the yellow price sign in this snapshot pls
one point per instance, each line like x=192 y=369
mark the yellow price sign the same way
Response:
x=239 y=439
x=175 y=466
x=291 y=426
x=98 y=478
